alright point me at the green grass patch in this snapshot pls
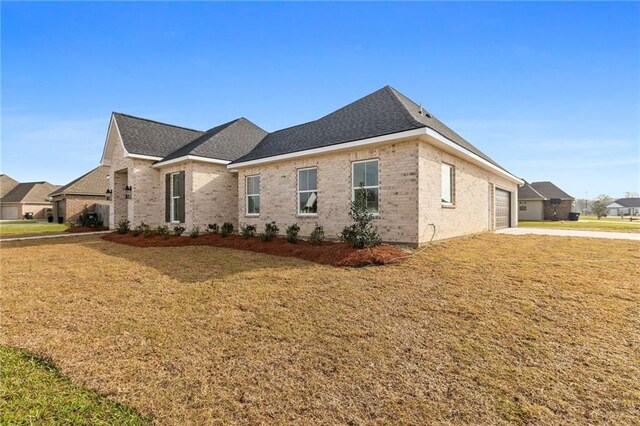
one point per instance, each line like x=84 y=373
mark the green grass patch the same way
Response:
x=595 y=225
x=25 y=228
x=33 y=391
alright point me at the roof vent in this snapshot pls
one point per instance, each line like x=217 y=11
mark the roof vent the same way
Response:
x=428 y=115
x=420 y=111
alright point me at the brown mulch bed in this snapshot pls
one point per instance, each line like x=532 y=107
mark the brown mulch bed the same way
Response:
x=328 y=253
x=78 y=229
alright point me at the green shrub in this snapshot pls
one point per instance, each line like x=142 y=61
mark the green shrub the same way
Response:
x=292 y=233
x=213 y=228
x=362 y=233
x=124 y=226
x=195 y=232
x=317 y=235
x=136 y=231
x=247 y=230
x=270 y=232
x=227 y=229
x=178 y=230
x=147 y=231
x=163 y=230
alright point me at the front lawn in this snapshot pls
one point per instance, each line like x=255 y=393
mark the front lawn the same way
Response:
x=587 y=225
x=490 y=329
x=34 y=392
x=24 y=228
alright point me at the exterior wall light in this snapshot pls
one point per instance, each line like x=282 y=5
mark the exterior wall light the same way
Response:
x=108 y=194
x=127 y=192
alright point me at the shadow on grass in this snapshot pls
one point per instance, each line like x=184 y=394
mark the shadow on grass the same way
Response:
x=186 y=264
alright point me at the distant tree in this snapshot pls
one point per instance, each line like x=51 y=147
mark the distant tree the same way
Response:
x=631 y=195
x=599 y=205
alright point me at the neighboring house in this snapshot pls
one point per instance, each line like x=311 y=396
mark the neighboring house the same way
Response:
x=89 y=190
x=6 y=184
x=419 y=176
x=543 y=201
x=624 y=207
x=23 y=198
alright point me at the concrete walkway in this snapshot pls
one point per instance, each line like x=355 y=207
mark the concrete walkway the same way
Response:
x=42 y=237
x=570 y=233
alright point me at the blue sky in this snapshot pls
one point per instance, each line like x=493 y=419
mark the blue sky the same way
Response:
x=549 y=90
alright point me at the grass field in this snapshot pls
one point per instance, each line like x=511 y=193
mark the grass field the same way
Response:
x=34 y=392
x=490 y=329
x=16 y=228
x=593 y=225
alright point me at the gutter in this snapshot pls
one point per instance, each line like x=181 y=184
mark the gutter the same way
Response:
x=424 y=133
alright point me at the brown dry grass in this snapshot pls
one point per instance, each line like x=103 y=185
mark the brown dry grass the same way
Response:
x=487 y=329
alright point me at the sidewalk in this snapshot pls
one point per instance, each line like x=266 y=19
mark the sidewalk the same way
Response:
x=570 y=233
x=42 y=237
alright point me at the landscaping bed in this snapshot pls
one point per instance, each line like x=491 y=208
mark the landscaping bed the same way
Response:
x=327 y=253
x=79 y=229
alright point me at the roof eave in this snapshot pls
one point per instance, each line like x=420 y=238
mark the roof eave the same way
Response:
x=166 y=163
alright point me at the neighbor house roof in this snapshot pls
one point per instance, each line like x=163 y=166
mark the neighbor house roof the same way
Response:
x=549 y=190
x=93 y=182
x=527 y=192
x=29 y=192
x=6 y=184
x=225 y=142
x=383 y=112
x=628 y=202
x=152 y=138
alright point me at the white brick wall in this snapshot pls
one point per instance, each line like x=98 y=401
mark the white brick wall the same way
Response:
x=398 y=178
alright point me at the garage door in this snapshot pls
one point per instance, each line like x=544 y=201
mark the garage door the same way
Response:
x=503 y=208
x=9 y=212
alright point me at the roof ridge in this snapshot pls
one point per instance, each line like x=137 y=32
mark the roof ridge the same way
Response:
x=535 y=190
x=157 y=122
x=394 y=95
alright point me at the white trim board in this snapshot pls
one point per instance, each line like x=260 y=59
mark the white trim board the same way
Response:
x=424 y=133
x=192 y=158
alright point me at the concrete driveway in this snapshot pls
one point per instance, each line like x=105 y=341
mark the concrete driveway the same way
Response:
x=570 y=233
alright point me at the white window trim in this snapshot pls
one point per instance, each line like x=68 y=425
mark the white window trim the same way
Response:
x=298 y=212
x=353 y=188
x=173 y=197
x=453 y=185
x=246 y=195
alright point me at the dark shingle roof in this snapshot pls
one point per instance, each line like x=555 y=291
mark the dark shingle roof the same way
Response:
x=147 y=137
x=383 y=112
x=225 y=142
x=91 y=183
x=526 y=192
x=628 y=202
x=29 y=192
x=549 y=190
x=7 y=183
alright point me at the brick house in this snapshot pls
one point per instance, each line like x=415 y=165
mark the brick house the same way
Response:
x=89 y=190
x=543 y=201
x=419 y=176
x=19 y=198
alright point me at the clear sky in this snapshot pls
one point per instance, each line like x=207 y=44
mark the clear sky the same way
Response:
x=549 y=90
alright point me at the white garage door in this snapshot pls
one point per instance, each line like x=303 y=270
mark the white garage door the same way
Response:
x=503 y=208
x=9 y=212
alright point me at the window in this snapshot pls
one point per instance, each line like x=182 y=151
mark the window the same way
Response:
x=175 y=197
x=523 y=206
x=253 y=195
x=365 y=178
x=448 y=175
x=308 y=191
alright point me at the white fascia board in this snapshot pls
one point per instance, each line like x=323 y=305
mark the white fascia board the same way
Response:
x=192 y=158
x=443 y=141
x=332 y=148
x=142 y=157
x=104 y=161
